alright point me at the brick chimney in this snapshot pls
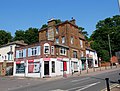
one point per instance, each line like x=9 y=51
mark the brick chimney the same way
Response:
x=72 y=21
x=51 y=22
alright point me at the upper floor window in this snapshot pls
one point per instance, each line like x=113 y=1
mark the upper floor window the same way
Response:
x=63 y=39
x=82 y=54
x=57 y=40
x=74 y=54
x=52 y=50
x=57 y=30
x=72 y=40
x=46 y=48
x=81 y=43
x=9 y=56
x=34 y=51
x=21 y=53
x=63 y=51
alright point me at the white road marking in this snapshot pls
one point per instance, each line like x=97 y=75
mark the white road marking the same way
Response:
x=80 y=79
x=80 y=88
x=58 y=90
x=90 y=85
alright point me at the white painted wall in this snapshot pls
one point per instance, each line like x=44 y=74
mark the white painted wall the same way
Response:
x=4 y=50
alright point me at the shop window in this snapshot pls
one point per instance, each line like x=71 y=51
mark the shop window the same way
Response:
x=20 y=68
x=74 y=54
x=63 y=51
x=33 y=67
x=53 y=67
x=52 y=50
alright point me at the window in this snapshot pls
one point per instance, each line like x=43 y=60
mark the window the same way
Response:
x=52 y=50
x=62 y=51
x=46 y=48
x=74 y=54
x=81 y=43
x=33 y=67
x=20 y=68
x=9 y=56
x=82 y=54
x=20 y=53
x=53 y=67
x=57 y=40
x=63 y=40
x=72 y=40
x=34 y=51
x=57 y=30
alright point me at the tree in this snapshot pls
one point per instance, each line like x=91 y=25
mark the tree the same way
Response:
x=5 y=37
x=31 y=36
x=19 y=35
x=81 y=29
x=44 y=26
x=111 y=27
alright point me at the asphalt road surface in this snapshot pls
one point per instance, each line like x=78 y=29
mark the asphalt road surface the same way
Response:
x=92 y=82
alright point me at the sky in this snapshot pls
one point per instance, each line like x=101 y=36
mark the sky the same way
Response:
x=23 y=14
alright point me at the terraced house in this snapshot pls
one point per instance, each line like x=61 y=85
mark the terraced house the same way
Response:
x=61 y=50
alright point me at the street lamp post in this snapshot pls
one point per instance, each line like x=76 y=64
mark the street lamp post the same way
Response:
x=110 y=50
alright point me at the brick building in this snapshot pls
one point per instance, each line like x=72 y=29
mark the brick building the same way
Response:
x=60 y=51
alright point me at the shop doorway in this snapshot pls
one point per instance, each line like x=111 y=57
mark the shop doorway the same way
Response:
x=46 y=67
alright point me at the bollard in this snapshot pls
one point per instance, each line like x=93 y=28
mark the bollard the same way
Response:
x=107 y=84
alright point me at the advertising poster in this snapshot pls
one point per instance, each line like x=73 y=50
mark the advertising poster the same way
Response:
x=33 y=67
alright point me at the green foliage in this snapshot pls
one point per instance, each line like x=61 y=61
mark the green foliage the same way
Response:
x=44 y=26
x=57 y=21
x=81 y=29
x=29 y=36
x=5 y=37
x=111 y=27
x=19 y=35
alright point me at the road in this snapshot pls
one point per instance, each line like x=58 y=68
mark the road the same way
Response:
x=91 y=82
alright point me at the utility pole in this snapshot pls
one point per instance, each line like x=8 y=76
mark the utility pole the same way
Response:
x=110 y=50
x=119 y=5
